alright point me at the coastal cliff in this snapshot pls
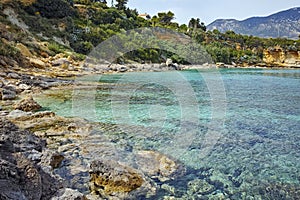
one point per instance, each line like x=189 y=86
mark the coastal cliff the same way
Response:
x=280 y=57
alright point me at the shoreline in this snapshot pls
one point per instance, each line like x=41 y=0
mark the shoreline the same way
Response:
x=63 y=134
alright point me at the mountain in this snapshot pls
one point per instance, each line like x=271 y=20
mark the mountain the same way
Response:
x=282 y=24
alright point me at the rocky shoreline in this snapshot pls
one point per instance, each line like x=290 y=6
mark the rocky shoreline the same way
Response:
x=41 y=157
x=45 y=156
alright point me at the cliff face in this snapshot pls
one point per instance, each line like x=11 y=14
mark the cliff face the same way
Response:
x=280 y=57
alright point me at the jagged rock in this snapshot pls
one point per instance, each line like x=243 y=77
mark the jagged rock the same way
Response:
x=20 y=177
x=157 y=165
x=109 y=177
x=27 y=104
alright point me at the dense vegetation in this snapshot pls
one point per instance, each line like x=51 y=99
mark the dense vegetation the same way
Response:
x=83 y=24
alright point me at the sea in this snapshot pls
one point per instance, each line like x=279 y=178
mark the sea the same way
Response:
x=236 y=131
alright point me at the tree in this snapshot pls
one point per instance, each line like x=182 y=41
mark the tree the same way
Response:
x=121 y=4
x=195 y=24
x=165 y=18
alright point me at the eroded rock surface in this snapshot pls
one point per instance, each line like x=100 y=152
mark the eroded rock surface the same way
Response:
x=20 y=176
x=110 y=177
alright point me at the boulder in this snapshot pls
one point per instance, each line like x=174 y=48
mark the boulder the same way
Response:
x=8 y=93
x=108 y=177
x=13 y=75
x=157 y=165
x=37 y=63
x=60 y=61
x=24 y=87
x=27 y=104
x=169 y=62
x=24 y=50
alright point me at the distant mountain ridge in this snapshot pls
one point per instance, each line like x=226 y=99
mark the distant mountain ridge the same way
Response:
x=282 y=24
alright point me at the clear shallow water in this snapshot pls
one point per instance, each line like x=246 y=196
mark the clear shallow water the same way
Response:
x=257 y=141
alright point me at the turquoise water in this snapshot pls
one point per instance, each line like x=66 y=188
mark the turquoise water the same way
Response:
x=237 y=129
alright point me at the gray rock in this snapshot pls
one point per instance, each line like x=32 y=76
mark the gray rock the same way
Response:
x=20 y=177
x=8 y=93
x=69 y=194
x=13 y=75
x=60 y=62
x=18 y=113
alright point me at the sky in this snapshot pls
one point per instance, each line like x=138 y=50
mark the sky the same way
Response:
x=208 y=11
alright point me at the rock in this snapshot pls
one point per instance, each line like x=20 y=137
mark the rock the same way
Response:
x=169 y=62
x=13 y=75
x=220 y=65
x=56 y=160
x=21 y=178
x=157 y=165
x=8 y=93
x=24 y=87
x=37 y=63
x=69 y=194
x=27 y=104
x=18 y=114
x=109 y=177
x=199 y=186
x=122 y=69
x=1 y=108
x=24 y=50
x=60 y=62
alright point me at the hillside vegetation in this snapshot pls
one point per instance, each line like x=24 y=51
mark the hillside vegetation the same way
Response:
x=47 y=28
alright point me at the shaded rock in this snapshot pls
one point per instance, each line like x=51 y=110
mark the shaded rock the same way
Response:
x=20 y=177
x=157 y=165
x=56 y=160
x=1 y=84
x=61 y=61
x=8 y=93
x=109 y=177
x=27 y=104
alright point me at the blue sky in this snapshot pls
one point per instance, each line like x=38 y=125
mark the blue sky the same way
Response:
x=208 y=11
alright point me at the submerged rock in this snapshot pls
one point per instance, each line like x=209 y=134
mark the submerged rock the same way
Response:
x=157 y=165
x=109 y=177
x=27 y=104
